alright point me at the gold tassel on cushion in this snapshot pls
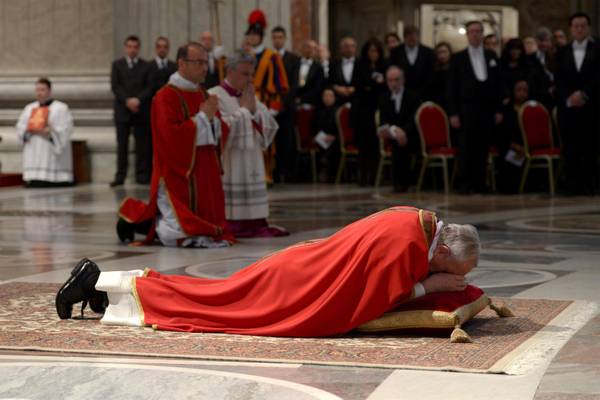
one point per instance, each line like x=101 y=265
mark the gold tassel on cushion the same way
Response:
x=460 y=336
x=502 y=311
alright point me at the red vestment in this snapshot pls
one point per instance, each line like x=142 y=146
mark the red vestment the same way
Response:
x=316 y=288
x=191 y=174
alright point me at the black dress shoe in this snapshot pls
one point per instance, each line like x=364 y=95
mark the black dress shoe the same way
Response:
x=80 y=287
x=115 y=184
x=125 y=231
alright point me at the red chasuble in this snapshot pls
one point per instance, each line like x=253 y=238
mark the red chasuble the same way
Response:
x=317 y=288
x=191 y=174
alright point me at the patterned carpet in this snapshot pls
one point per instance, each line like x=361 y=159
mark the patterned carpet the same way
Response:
x=28 y=321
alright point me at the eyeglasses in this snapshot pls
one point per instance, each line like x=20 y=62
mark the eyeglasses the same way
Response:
x=199 y=62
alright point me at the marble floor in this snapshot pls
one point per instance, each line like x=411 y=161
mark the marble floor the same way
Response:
x=534 y=246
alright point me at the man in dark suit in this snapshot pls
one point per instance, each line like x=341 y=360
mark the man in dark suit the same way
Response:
x=161 y=68
x=285 y=139
x=343 y=74
x=132 y=87
x=474 y=106
x=577 y=80
x=216 y=61
x=542 y=64
x=397 y=108
x=310 y=76
x=416 y=60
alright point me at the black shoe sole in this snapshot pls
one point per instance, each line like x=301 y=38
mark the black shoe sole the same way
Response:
x=64 y=306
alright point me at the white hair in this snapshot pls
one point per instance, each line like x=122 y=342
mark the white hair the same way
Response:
x=462 y=240
x=239 y=57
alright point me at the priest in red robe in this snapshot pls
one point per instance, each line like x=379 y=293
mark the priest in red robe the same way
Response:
x=186 y=206
x=317 y=288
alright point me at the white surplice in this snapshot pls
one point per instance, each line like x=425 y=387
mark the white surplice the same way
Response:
x=243 y=164
x=47 y=159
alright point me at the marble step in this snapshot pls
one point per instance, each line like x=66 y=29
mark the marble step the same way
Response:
x=88 y=91
x=84 y=117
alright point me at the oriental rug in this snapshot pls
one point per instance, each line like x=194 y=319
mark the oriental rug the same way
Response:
x=28 y=322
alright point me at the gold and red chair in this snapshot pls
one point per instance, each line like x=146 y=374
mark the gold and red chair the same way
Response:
x=385 y=153
x=436 y=148
x=305 y=143
x=348 y=149
x=536 y=128
x=491 y=167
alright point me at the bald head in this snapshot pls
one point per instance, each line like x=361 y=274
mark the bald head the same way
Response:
x=207 y=40
x=394 y=77
x=309 y=49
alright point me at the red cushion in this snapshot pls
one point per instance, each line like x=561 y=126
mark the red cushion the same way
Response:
x=435 y=311
x=536 y=124
x=553 y=151
x=304 y=117
x=443 y=150
x=433 y=124
x=443 y=301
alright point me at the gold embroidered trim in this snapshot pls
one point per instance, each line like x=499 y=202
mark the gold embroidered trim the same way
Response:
x=138 y=302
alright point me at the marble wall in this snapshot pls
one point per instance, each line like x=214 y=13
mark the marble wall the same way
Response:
x=82 y=37
x=58 y=37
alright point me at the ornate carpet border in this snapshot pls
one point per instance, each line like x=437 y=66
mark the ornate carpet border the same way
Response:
x=540 y=349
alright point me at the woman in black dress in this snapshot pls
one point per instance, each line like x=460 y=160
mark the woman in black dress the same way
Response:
x=371 y=82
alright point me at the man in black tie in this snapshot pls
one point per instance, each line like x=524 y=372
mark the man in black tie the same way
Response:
x=310 y=75
x=285 y=139
x=474 y=106
x=132 y=87
x=543 y=66
x=577 y=79
x=161 y=68
x=216 y=67
x=416 y=60
x=397 y=108
x=343 y=75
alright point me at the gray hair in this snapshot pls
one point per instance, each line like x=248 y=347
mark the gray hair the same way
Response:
x=462 y=240
x=543 y=33
x=240 y=57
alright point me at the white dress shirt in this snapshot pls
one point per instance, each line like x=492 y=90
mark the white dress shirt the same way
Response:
x=397 y=98
x=579 y=50
x=211 y=62
x=411 y=54
x=348 y=68
x=325 y=65
x=131 y=62
x=478 y=62
x=161 y=62
x=305 y=64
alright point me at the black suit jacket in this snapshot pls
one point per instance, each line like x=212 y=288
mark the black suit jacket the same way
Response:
x=336 y=77
x=160 y=77
x=404 y=119
x=419 y=74
x=291 y=63
x=134 y=82
x=569 y=80
x=310 y=92
x=464 y=90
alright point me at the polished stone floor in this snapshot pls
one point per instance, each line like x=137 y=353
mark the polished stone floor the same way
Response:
x=533 y=246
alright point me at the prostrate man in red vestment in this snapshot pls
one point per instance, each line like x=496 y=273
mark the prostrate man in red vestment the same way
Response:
x=186 y=206
x=316 y=288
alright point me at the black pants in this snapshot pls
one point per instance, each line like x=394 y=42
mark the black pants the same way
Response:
x=579 y=134
x=143 y=150
x=368 y=146
x=285 y=146
x=477 y=124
